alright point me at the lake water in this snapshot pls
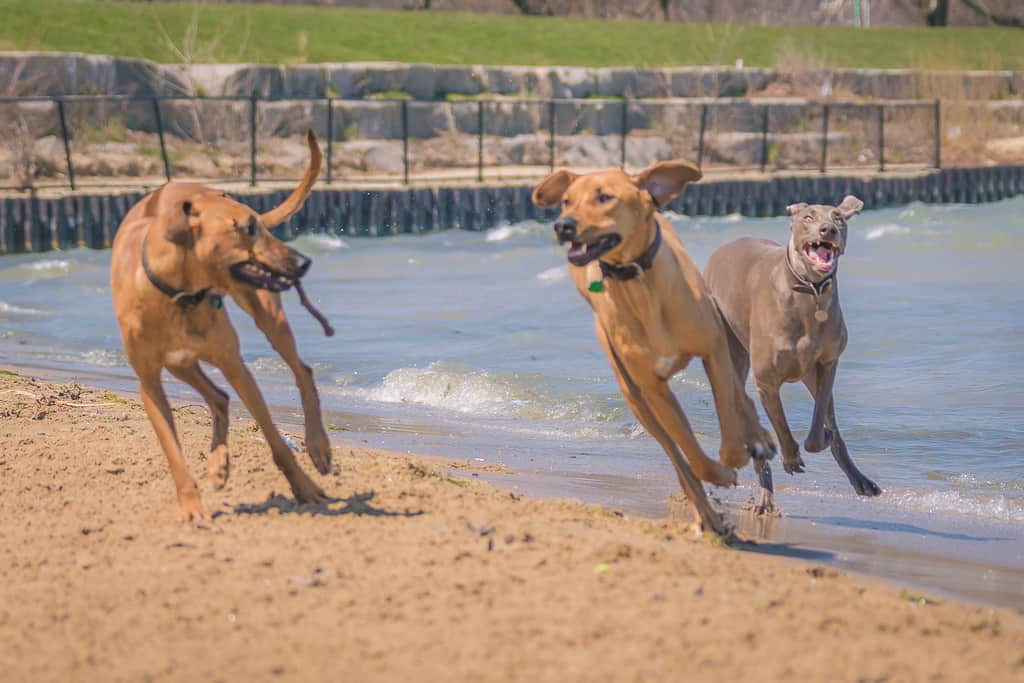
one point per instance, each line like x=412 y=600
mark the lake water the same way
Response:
x=476 y=345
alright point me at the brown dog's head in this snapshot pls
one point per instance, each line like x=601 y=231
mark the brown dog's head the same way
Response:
x=819 y=232
x=611 y=214
x=229 y=241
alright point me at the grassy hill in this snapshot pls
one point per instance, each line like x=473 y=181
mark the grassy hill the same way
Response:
x=283 y=34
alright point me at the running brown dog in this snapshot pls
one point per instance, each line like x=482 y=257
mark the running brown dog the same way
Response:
x=781 y=305
x=177 y=252
x=652 y=314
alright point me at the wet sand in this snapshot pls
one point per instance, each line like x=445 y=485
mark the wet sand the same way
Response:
x=419 y=570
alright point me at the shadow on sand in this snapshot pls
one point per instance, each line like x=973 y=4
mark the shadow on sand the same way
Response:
x=356 y=504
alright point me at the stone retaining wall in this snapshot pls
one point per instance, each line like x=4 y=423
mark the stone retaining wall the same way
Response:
x=25 y=73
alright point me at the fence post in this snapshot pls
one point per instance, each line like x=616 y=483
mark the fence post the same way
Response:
x=330 y=137
x=551 y=133
x=700 y=140
x=480 y=141
x=624 y=129
x=881 y=137
x=252 y=138
x=160 y=134
x=67 y=142
x=824 y=137
x=938 y=133
x=405 y=142
x=764 y=139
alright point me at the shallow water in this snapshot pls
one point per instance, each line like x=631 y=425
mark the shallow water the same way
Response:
x=476 y=345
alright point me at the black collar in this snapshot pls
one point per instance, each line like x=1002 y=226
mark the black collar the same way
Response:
x=630 y=270
x=806 y=286
x=185 y=300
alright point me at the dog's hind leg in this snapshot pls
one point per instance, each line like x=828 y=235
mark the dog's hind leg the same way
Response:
x=159 y=411
x=861 y=484
x=304 y=488
x=266 y=310
x=218 y=462
x=704 y=515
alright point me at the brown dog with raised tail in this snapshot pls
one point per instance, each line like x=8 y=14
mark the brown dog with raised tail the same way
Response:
x=653 y=314
x=176 y=254
x=781 y=304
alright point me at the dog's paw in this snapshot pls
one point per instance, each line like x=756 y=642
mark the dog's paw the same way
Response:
x=793 y=464
x=218 y=464
x=318 y=446
x=816 y=443
x=865 y=487
x=191 y=507
x=765 y=505
x=717 y=474
x=306 y=491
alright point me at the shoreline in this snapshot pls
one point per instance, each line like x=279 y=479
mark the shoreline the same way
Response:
x=881 y=542
x=418 y=569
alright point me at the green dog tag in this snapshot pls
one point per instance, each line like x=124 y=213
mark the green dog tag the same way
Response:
x=597 y=286
x=217 y=300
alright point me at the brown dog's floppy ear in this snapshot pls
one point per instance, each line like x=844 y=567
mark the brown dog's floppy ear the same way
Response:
x=794 y=209
x=666 y=179
x=176 y=224
x=851 y=206
x=551 y=189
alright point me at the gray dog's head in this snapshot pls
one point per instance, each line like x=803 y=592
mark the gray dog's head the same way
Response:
x=819 y=232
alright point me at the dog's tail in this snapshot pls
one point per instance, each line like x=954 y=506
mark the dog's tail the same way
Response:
x=284 y=211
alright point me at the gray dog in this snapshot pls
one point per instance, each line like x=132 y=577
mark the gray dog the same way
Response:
x=781 y=306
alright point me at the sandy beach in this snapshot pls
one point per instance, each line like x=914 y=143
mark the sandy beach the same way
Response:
x=420 y=570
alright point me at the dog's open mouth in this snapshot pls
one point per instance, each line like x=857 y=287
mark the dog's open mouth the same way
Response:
x=258 y=275
x=822 y=255
x=582 y=253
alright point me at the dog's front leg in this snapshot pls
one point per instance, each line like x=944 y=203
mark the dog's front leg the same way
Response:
x=704 y=515
x=818 y=435
x=768 y=390
x=861 y=484
x=266 y=310
x=304 y=488
x=154 y=400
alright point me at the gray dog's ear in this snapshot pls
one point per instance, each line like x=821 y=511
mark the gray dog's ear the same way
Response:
x=551 y=189
x=176 y=225
x=794 y=209
x=851 y=206
x=666 y=179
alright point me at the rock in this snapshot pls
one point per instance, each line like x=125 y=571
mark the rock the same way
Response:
x=384 y=157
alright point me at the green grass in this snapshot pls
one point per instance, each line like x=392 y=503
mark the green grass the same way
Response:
x=291 y=34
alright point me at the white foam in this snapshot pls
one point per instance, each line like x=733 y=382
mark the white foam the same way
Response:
x=18 y=310
x=886 y=229
x=988 y=506
x=555 y=274
x=322 y=241
x=50 y=266
x=105 y=357
x=505 y=232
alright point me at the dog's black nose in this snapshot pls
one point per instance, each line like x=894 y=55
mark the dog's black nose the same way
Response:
x=565 y=228
x=828 y=230
x=302 y=263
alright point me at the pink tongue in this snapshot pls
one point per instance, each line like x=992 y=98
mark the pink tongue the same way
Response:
x=825 y=254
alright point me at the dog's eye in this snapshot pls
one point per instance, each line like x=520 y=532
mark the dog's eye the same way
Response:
x=604 y=198
x=565 y=202
x=837 y=219
x=808 y=219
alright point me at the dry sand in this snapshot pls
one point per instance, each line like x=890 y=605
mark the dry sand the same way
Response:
x=419 y=572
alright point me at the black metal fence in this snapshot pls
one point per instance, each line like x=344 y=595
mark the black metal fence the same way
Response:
x=98 y=140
